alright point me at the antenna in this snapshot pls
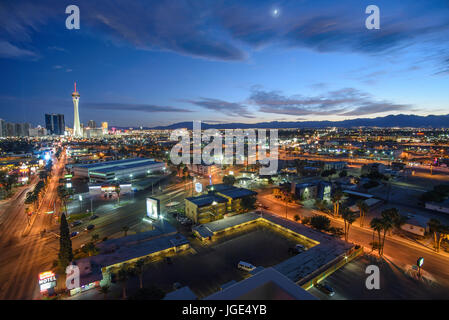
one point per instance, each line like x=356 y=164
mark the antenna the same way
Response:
x=75 y=86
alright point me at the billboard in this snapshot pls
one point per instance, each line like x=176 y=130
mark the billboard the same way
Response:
x=153 y=208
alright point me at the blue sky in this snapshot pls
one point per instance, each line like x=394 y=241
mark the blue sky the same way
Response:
x=148 y=63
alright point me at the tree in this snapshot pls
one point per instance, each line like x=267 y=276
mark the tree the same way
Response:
x=248 y=203
x=320 y=222
x=387 y=222
x=117 y=190
x=297 y=217
x=95 y=237
x=123 y=276
x=140 y=269
x=376 y=225
x=90 y=249
x=343 y=174
x=104 y=290
x=125 y=230
x=336 y=198
x=439 y=232
x=43 y=175
x=63 y=195
x=229 y=180
x=363 y=208
x=65 y=244
x=8 y=181
x=348 y=217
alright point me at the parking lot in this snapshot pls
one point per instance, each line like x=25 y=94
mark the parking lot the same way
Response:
x=349 y=283
x=206 y=267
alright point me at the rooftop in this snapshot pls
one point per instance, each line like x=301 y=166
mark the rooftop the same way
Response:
x=267 y=284
x=206 y=199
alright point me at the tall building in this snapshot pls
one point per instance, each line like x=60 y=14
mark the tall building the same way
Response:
x=2 y=128
x=91 y=124
x=55 y=124
x=76 y=119
x=104 y=126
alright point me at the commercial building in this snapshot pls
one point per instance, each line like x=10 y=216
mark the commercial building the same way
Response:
x=267 y=284
x=220 y=200
x=118 y=170
x=312 y=190
x=96 y=270
x=55 y=124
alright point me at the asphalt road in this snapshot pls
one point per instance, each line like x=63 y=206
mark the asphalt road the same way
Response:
x=24 y=257
x=402 y=253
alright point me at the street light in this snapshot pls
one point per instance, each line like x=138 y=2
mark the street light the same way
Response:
x=420 y=263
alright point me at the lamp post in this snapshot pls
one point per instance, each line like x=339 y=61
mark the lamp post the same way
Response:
x=420 y=263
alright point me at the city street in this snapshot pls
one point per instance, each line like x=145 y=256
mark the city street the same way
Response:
x=24 y=257
x=402 y=252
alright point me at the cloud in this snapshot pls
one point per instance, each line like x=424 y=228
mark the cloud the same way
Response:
x=343 y=102
x=8 y=50
x=150 y=108
x=228 y=108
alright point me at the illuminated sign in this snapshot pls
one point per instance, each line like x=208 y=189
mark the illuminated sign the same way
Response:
x=47 y=280
x=198 y=187
x=47 y=156
x=153 y=208
x=68 y=176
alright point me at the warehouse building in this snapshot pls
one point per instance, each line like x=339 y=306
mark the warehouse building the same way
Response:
x=122 y=170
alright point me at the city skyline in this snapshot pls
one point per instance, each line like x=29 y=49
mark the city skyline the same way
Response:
x=307 y=61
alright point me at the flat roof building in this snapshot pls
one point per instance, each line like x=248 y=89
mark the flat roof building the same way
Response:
x=123 y=170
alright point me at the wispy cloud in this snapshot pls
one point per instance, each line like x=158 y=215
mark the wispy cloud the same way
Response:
x=228 y=108
x=150 y=108
x=344 y=102
x=8 y=50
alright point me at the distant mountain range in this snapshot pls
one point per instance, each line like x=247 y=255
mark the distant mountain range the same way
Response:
x=401 y=120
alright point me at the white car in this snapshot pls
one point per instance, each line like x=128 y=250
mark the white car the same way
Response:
x=245 y=266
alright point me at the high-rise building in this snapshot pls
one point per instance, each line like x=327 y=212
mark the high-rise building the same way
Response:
x=2 y=128
x=55 y=124
x=91 y=124
x=76 y=119
x=104 y=126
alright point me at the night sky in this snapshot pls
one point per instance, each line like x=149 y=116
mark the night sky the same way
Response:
x=148 y=63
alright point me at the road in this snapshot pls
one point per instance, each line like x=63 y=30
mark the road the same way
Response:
x=400 y=251
x=24 y=257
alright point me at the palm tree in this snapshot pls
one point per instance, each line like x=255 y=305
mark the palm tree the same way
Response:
x=104 y=290
x=125 y=230
x=95 y=237
x=387 y=223
x=140 y=268
x=363 y=207
x=336 y=198
x=349 y=217
x=376 y=225
x=439 y=232
x=117 y=190
x=123 y=276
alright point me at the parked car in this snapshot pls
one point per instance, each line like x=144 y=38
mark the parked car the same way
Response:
x=74 y=234
x=76 y=223
x=242 y=265
x=325 y=288
x=93 y=217
x=90 y=227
